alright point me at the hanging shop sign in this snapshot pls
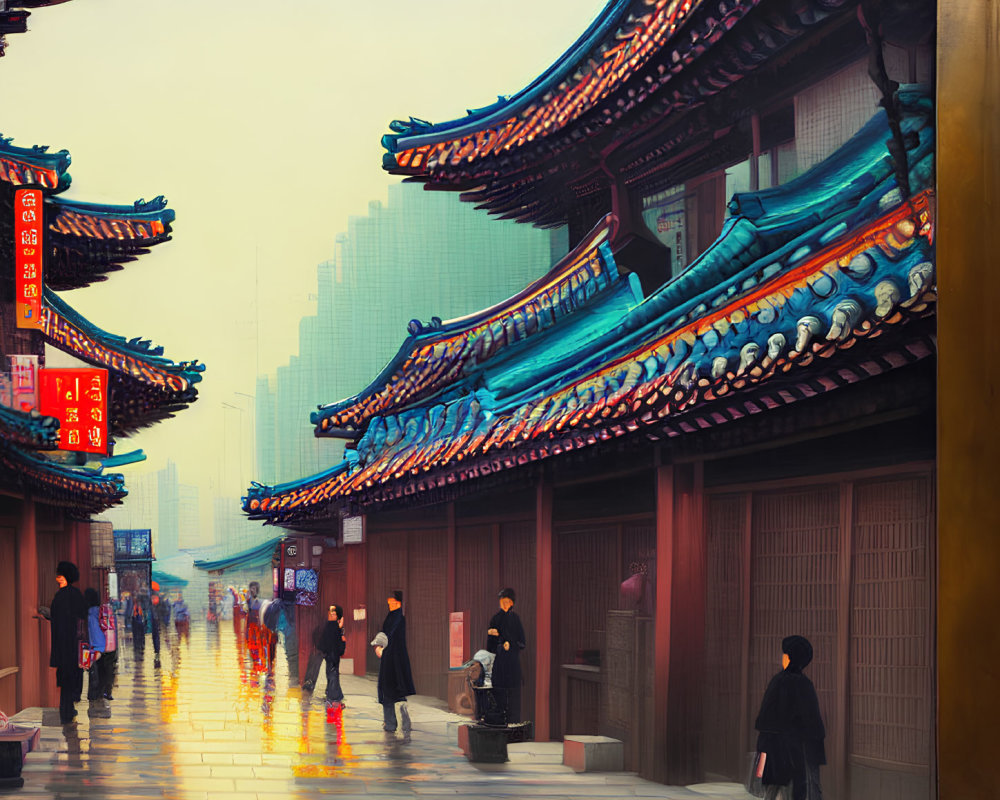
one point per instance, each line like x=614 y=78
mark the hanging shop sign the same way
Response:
x=24 y=382
x=28 y=247
x=78 y=398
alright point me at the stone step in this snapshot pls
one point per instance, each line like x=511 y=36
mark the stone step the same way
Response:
x=593 y=753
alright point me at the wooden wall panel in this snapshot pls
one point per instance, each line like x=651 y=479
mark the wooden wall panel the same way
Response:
x=386 y=570
x=794 y=590
x=891 y=656
x=474 y=580
x=426 y=612
x=726 y=522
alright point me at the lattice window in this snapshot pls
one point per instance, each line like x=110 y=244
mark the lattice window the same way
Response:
x=891 y=619
x=726 y=521
x=794 y=586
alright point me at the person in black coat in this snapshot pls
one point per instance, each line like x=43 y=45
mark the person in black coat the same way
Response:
x=506 y=639
x=791 y=726
x=395 y=680
x=332 y=644
x=68 y=614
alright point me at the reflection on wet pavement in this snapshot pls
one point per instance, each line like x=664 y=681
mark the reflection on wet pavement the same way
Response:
x=206 y=723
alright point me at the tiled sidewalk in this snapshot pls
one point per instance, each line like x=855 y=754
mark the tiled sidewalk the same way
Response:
x=204 y=726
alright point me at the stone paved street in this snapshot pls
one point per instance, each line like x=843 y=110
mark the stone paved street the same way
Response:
x=203 y=725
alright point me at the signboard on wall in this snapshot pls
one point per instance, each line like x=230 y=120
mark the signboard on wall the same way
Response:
x=29 y=244
x=24 y=382
x=667 y=218
x=78 y=398
x=354 y=530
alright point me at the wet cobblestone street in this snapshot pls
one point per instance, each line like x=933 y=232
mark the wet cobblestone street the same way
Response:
x=204 y=725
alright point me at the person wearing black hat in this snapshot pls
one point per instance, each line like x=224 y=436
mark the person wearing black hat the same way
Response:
x=505 y=638
x=395 y=680
x=68 y=614
x=791 y=726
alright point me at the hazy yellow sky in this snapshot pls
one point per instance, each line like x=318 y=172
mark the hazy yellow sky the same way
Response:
x=260 y=123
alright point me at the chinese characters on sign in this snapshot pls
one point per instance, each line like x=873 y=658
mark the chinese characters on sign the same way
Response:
x=78 y=398
x=28 y=246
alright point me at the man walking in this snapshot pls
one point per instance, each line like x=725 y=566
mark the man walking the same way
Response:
x=68 y=614
x=506 y=639
x=395 y=681
x=332 y=645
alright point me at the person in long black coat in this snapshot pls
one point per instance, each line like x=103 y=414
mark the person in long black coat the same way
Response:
x=506 y=639
x=332 y=644
x=395 y=680
x=68 y=614
x=791 y=726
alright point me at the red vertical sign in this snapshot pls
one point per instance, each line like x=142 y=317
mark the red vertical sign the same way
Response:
x=78 y=398
x=457 y=640
x=28 y=246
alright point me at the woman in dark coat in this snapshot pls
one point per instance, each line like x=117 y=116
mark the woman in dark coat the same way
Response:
x=68 y=614
x=506 y=639
x=395 y=680
x=791 y=727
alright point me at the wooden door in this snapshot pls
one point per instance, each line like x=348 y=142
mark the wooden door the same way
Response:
x=517 y=570
x=427 y=611
x=8 y=620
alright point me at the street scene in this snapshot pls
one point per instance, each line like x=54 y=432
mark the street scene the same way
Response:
x=558 y=399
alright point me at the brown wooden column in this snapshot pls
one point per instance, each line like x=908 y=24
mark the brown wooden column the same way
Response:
x=968 y=250
x=357 y=593
x=543 y=609
x=679 y=649
x=452 y=534
x=81 y=535
x=665 y=534
x=29 y=679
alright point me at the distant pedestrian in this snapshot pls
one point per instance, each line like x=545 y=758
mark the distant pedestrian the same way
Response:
x=98 y=645
x=182 y=617
x=332 y=644
x=791 y=727
x=506 y=639
x=395 y=680
x=153 y=620
x=137 y=615
x=68 y=614
x=109 y=661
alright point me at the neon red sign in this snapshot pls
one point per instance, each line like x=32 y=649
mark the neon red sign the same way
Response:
x=78 y=398
x=28 y=247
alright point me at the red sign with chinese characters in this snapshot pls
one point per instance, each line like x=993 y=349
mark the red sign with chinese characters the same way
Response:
x=28 y=246
x=78 y=398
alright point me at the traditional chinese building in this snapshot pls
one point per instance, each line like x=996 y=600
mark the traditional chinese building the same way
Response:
x=710 y=426
x=47 y=494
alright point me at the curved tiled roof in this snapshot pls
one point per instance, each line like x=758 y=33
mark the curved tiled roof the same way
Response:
x=666 y=55
x=34 y=166
x=145 y=386
x=85 y=490
x=28 y=429
x=435 y=359
x=813 y=285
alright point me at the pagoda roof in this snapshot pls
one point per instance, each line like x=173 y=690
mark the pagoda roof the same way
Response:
x=30 y=166
x=28 y=428
x=447 y=355
x=88 y=239
x=144 y=386
x=85 y=240
x=812 y=286
x=85 y=490
x=639 y=61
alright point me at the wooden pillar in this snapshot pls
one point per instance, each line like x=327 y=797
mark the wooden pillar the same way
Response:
x=357 y=587
x=665 y=525
x=29 y=678
x=81 y=536
x=968 y=247
x=543 y=609
x=679 y=647
x=452 y=534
